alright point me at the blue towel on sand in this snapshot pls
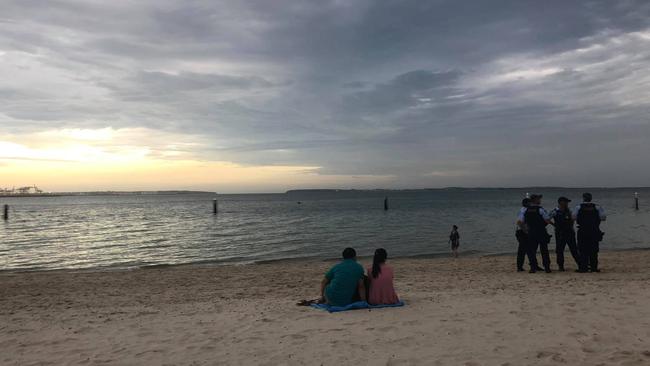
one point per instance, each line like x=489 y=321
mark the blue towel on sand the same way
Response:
x=354 y=305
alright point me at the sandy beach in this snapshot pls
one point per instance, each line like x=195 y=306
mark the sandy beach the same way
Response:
x=470 y=311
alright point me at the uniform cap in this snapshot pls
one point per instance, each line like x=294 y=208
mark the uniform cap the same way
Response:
x=563 y=199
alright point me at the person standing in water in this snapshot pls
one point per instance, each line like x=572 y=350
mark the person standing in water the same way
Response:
x=454 y=240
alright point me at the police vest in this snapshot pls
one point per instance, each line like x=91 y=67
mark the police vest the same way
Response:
x=562 y=220
x=588 y=217
x=534 y=219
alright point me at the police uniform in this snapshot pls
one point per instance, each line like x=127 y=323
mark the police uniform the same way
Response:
x=564 y=236
x=521 y=233
x=535 y=218
x=588 y=216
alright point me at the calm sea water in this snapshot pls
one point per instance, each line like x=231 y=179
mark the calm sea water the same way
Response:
x=134 y=231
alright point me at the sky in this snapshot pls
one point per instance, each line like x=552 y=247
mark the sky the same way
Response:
x=265 y=96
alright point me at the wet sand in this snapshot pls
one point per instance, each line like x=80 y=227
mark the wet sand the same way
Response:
x=470 y=311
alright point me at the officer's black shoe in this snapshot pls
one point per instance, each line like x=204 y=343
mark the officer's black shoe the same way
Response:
x=532 y=270
x=581 y=270
x=547 y=270
x=595 y=270
x=561 y=269
x=520 y=269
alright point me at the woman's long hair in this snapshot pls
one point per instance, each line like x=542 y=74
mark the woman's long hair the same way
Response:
x=377 y=260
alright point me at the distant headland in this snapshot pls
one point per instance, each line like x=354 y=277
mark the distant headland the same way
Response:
x=35 y=192
x=387 y=190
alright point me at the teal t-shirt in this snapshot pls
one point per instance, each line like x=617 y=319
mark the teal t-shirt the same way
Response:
x=344 y=278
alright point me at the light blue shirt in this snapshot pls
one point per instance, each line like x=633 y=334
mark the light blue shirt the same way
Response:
x=601 y=212
x=554 y=212
x=521 y=216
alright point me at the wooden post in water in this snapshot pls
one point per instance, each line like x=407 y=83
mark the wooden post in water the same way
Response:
x=214 y=206
x=385 y=203
x=636 y=200
x=6 y=213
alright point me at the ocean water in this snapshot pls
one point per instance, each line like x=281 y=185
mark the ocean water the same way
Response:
x=135 y=231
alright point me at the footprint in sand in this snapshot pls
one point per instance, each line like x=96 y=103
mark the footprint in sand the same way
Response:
x=295 y=336
x=411 y=322
x=578 y=334
x=333 y=330
x=621 y=356
x=386 y=329
x=556 y=357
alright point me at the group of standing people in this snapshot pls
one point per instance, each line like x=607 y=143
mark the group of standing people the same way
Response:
x=531 y=233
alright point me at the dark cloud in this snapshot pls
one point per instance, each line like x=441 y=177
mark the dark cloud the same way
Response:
x=432 y=93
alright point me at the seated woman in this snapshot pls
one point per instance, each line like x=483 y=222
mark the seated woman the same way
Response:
x=380 y=276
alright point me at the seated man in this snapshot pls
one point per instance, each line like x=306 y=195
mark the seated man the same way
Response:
x=343 y=283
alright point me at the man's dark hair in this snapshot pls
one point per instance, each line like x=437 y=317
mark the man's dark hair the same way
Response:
x=349 y=253
x=587 y=197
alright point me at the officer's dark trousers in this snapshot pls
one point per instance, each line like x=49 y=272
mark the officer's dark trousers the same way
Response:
x=588 y=247
x=562 y=240
x=539 y=241
x=522 y=251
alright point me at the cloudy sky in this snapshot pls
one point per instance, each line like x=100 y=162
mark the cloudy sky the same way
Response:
x=250 y=96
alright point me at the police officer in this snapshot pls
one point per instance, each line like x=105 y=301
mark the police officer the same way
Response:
x=588 y=215
x=564 y=233
x=536 y=218
x=521 y=233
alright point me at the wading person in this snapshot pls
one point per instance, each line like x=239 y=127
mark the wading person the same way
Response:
x=588 y=215
x=536 y=218
x=454 y=240
x=344 y=282
x=564 y=233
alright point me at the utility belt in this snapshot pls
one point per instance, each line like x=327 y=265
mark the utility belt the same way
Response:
x=596 y=234
x=543 y=236
x=566 y=231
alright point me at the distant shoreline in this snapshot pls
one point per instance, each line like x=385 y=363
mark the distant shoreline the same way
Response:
x=335 y=190
x=308 y=191
x=105 y=193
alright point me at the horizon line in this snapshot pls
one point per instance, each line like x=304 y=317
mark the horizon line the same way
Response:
x=109 y=191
